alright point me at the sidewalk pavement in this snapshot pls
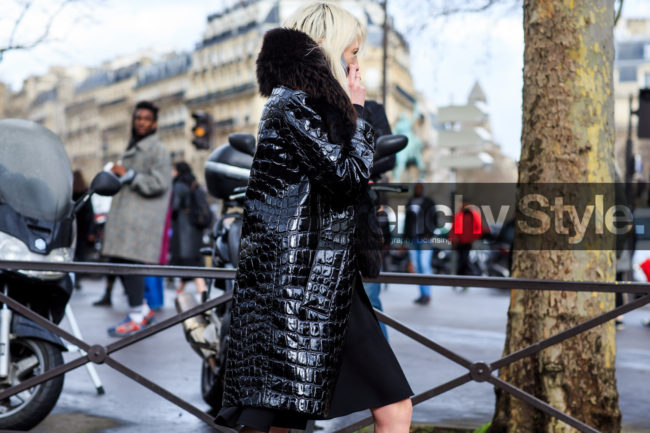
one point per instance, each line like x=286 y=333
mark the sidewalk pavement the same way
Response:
x=471 y=323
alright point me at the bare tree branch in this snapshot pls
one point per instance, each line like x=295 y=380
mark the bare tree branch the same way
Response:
x=447 y=8
x=12 y=46
x=470 y=8
x=17 y=23
x=618 y=12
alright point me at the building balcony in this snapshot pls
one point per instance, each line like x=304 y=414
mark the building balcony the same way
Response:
x=80 y=107
x=112 y=103
x=225 y=123
x=228 y=34
x=113 y=129
x=222 y=94
x=172 y=127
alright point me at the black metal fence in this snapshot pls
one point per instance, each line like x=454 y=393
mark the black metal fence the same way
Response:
x=478 y=371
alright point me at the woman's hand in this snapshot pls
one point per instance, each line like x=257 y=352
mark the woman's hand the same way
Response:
x=357 y=91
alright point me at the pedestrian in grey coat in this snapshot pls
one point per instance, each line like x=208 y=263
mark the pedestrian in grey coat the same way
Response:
x=135 y=223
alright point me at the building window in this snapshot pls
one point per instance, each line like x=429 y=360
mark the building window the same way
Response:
x=646 y=80
x=626 y=74
x=646 y=51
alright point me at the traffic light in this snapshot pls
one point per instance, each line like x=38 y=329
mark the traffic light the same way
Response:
x=202 y=130
x=643 y=128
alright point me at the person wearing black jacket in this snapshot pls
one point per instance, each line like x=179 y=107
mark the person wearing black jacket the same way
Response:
x=185 y=243
x=85 y=223
x=419 y=224
x=374 y=113
x=302 y=329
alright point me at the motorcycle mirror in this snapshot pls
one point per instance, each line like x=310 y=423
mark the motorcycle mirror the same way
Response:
x=105 y=183
x=243 y=142
x=382 y=165
x=389 y=145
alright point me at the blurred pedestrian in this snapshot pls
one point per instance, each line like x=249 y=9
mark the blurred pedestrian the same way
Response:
x=466 y=228
x=154 y=293
x=374 y=113
x=101 y=207
x=419 y=222
x=85 y=218
x=135 y=223
x=298 y=297
x=106 y=299
x=187 y=238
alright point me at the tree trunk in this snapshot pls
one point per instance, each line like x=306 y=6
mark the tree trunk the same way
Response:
x=567 y=137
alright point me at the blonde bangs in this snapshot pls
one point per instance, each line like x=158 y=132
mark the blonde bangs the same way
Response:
x=333 y=28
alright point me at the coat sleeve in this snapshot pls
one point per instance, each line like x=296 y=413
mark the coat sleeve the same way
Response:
x=156 y=179
x=176 y=199
x=336 y=167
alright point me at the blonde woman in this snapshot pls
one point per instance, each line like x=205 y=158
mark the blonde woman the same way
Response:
x=304 y=343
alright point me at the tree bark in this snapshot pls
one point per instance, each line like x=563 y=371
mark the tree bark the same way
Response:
x=567 y=137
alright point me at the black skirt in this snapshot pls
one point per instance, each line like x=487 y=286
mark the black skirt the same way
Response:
x=370 y=376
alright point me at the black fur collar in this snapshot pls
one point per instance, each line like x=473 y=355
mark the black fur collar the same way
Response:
x=292 y=59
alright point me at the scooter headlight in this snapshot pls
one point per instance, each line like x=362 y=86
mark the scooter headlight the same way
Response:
x=12 y=249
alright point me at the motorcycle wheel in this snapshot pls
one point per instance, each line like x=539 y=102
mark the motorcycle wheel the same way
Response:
x=212 y=385
x=26 y=409
x=212 y=381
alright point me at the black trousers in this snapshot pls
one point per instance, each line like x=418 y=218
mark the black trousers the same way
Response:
x=463 y=258
x=134 y=285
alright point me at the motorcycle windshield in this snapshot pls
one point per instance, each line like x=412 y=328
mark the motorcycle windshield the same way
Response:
x=35 y=173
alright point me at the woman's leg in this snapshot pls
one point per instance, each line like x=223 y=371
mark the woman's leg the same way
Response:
x=393 y=418
x=426 y=254
x=273 y=430
x=181 y=286
x=200 y=285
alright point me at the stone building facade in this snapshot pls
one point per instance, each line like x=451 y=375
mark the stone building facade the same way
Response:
x=91 y=109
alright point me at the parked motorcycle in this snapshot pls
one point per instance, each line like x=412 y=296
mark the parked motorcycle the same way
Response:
x=36 y=224
x=226 y=173
x=490 y=257
x=498 y=261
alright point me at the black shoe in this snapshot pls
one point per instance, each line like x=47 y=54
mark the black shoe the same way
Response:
x=423 y=300
x=104 y=302
x=619 y=324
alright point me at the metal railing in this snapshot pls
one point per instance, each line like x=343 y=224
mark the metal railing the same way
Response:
x=478 y=371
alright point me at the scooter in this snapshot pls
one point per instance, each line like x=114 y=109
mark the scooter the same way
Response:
x=226 y=173
x=36 y=224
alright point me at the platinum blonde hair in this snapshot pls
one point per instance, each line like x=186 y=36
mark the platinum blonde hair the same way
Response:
x=333 y=28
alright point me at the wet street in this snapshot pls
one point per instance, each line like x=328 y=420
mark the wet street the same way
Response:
x=470 y=323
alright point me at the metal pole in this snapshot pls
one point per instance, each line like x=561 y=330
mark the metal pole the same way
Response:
x=384 y=61
x=629 y=159
x=92 y=372
x=5 y=337
x=452 y=198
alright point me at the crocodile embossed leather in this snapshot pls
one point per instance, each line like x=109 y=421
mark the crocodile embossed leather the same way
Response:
x=297 y=265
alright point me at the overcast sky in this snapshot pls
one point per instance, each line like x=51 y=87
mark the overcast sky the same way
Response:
x=447 y=58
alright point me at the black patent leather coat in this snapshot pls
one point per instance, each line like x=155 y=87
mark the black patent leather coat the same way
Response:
x=297 y=263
